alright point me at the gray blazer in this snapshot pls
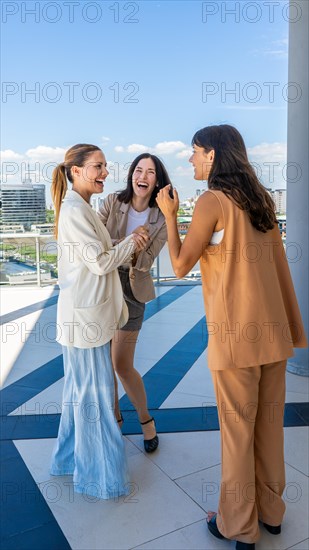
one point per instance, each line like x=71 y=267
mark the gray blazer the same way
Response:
x=114 y=215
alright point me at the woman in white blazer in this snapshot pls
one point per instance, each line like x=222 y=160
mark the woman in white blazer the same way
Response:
x=90 y=308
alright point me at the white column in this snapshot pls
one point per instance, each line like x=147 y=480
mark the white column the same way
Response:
x=298 y=147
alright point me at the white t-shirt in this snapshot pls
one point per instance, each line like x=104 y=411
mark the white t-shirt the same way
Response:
x=135 y=219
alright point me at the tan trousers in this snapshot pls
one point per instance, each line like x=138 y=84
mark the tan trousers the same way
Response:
x=250 y=407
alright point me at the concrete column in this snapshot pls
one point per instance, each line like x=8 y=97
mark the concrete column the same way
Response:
x=297 y=171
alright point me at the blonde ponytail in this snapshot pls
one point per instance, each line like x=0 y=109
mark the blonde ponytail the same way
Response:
x=58 y=190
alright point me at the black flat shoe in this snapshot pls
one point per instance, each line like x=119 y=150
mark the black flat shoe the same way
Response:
x=273 y=529
x=213 y=528
x=150 y=445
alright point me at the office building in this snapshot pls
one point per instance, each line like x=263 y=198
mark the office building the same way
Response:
x=23 y=204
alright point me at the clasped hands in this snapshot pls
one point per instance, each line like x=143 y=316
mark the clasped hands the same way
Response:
x=140 y=237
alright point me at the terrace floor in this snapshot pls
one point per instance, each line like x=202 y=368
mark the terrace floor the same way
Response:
x=171 y=489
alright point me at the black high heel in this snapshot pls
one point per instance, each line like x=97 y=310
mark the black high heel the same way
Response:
x=273 y=529
x=150 y=445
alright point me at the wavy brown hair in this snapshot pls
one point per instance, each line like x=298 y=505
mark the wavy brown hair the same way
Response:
x=233 y=174
x=75 y=156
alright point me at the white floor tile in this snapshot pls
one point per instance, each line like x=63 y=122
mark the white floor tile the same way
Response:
x=15 y=298
x=37 y=453
x=48 y=401
x=203 y=487
x=296 y=448
x=192 y=537
x=160 y=290
x=298 y=384
x=303 y=545
x=155 y=507
x=191 y=451
x=195 y=389
x=21 y=361
x=295 y=397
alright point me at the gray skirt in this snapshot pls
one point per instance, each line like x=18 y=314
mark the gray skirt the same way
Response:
x=136 y=308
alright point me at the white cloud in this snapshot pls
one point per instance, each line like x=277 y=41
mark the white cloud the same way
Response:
x=269 y=151
x=46 y=154
x=104 y=139
x=276 y=49
x=137 y=148
x=169 y=147
x=186 y=153
x=161 y=148
x=40 y=161
x=8 y=155
x=269 y=160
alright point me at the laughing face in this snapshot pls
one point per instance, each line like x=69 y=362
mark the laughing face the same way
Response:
x=144 y=178
x=95 y=172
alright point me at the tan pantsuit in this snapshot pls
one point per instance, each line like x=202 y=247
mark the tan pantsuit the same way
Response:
x=251 y=406
x=253 y=322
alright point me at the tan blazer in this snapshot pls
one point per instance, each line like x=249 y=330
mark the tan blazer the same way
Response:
x=252 y=312
x=114 y=215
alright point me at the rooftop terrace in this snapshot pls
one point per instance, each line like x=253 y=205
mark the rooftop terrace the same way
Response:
x=173 y=488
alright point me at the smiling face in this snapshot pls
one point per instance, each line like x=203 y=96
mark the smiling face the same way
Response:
x=202 y=162
x=144 y=178
x=89 y=178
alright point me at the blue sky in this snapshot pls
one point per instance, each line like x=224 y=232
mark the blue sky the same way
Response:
x=159 y=72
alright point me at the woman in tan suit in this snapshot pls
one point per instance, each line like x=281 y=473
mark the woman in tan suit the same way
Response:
x=134 y=210
x=253 y=323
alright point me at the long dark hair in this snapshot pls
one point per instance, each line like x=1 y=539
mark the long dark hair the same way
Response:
x=233 y=174
x=162 y=179
x=75 y=156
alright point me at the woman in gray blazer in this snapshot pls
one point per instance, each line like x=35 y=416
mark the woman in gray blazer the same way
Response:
x=90 y=308
x=134 y=210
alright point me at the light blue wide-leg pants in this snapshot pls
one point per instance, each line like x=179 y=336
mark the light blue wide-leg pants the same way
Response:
x=90 y=445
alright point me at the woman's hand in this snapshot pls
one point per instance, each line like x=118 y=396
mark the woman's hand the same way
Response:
x=140 y=240
x=142 y=230
x=169 y=207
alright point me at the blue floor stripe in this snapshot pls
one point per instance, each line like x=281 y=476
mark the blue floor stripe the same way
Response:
x=187 y=419
x=14 y=395
x=151 y=308
x=13 y=315
x=165 y=300
x=27 y=521
x=164 y=376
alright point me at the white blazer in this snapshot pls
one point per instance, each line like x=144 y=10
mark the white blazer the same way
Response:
x=91 y=304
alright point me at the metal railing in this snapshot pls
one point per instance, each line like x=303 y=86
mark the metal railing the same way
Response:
x=18 y=268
